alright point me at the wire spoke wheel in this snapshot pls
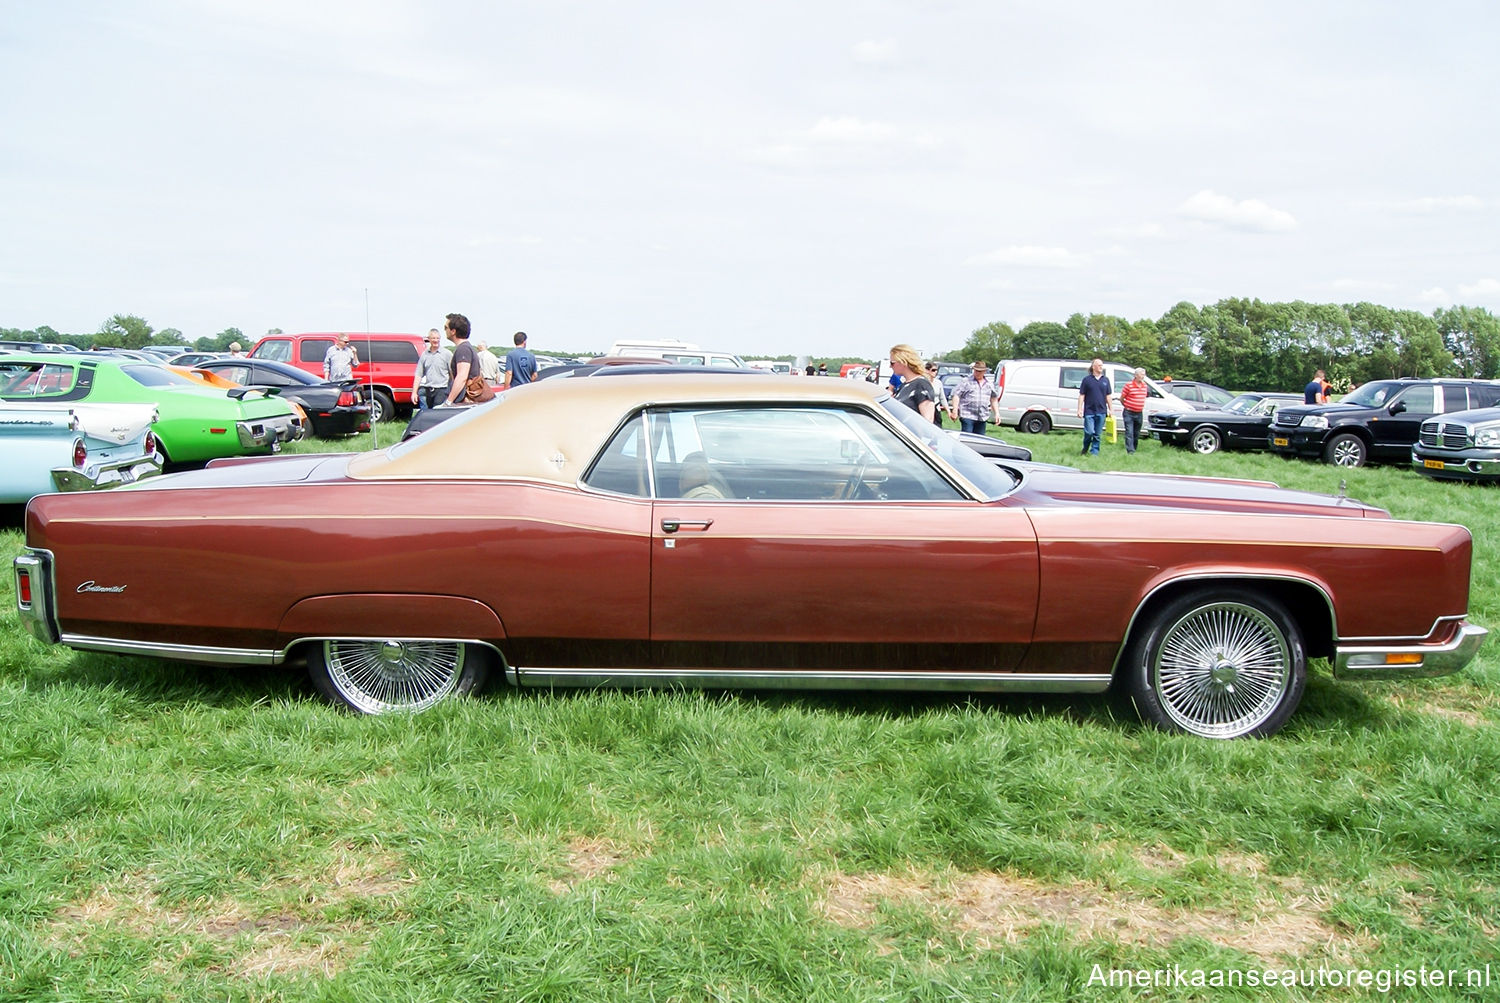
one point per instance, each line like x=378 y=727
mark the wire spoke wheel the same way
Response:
x=379 y=677
x=1222 y=669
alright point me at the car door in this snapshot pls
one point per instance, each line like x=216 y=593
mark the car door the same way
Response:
x=1396 y=431
x=817 y=538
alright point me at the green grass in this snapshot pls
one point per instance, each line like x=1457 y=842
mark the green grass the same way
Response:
x=175 y=832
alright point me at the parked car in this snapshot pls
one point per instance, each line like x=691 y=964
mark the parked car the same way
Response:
x=1241 y=424
x=1377 y=423
x=193 y=358
x=387 y=363
x=332 y=409
x=677 y=353
x=195 y=422
x=1203 y=396
x=73 y=447
x=1038 y=395
x=1462 y=446
x=746 y=531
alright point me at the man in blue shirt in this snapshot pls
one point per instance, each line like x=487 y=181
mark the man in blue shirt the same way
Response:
x=1094 y=393
x=1315 y=392
x=520 y=364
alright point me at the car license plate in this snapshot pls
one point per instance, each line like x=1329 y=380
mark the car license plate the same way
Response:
x=1433 y=464
x=1279 y=442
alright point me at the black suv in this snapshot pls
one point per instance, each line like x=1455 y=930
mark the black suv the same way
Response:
x=1376 y=423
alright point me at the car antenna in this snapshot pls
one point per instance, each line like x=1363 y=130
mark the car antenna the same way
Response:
x=370 y=375
x=1343 y=489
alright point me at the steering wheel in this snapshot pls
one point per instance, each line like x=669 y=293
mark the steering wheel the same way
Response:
x=856 y=482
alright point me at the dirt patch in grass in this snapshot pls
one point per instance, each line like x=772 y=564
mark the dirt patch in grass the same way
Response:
x=587 y=858
x=291 y=939
x=989 y=909
x=1444 y=704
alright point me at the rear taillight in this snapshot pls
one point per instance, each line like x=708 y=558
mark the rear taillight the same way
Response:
x=80 y=453
x=23 y=587
x=1000 y=383
x=149 y=444
x=346 y=399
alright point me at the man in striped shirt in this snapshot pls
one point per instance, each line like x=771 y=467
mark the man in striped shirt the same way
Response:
x=1133 y=408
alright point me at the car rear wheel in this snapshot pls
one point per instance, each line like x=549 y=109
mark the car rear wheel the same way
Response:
x=382 y=406
x=1036 y=424
x=1206 y=440
x=1219 y=663
x=385 y=676
x=1346 y=450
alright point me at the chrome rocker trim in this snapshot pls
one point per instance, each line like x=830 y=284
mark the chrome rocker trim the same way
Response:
x=806 y=679
x=1436 y=659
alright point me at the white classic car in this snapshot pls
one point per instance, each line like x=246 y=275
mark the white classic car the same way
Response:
x=74 y=447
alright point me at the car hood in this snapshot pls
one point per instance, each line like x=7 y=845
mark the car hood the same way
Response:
x=1293 y=415
x=1066 y=486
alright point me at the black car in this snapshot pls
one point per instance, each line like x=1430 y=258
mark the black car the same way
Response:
x=1377 y=423
x=1461 y=446
x=333 y=409
x=1240 y=424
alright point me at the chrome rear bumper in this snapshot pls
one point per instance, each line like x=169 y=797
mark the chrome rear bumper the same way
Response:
x=1411 y=661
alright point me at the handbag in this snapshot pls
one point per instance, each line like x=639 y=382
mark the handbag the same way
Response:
x=476 y=391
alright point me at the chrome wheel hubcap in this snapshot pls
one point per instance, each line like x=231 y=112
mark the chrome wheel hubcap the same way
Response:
x=1222 y=669
x=383 y=676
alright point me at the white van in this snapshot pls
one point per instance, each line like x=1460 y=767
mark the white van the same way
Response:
x=679 y=353
x=1038 y=395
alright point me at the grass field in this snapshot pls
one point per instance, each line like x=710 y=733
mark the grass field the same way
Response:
x=174 y=832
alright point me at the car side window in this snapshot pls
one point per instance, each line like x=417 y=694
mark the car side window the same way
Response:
x=240 y=374
x=1071 y=377
x=787 y=454
x=1484 y=395
x=1420 y=399
x=388 y=351
x=312 y=350
x=271 y=378
x=279 y=350
x=621 y=467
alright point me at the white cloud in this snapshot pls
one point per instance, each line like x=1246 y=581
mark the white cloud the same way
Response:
x=841 y=139
x=1029 y=256
x=1348 y=285
x=1437 y=295
x=847 y=129
x=1484 y=287
x=1249 y=214
x=873 y=53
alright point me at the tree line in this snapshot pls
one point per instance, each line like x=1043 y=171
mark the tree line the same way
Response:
x=1251 y=344
x=1236 y=343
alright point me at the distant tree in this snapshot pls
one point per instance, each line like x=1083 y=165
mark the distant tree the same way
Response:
x=228 y=336
x=167 y=336
x=45 y=333
x=124 y=331
x=1423 y=352
x=1043 y=339
x=273 y=331
x=991 y=343
x=1472 y=335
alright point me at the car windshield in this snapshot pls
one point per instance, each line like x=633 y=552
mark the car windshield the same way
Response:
x=991 y=481
x=1372 y=394
x=1243 y=404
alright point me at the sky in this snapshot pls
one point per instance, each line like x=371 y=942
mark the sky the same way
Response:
x=767 y=177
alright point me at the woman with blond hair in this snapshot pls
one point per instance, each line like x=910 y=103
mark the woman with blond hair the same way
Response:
x=916 y=390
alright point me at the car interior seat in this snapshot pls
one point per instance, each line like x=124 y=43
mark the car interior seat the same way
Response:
x=696 y=479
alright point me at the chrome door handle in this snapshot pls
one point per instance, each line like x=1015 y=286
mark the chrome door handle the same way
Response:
x=673 y=525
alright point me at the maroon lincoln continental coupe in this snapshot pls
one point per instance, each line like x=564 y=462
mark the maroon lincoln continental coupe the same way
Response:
x=740 y=531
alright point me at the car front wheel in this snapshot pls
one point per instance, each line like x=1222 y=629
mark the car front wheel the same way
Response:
x=1206 y=440
x=1219 y=663
x=382 y=406
x=385 y=676
x=1346 y=450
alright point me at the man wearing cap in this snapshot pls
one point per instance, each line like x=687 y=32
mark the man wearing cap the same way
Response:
x=973 y=400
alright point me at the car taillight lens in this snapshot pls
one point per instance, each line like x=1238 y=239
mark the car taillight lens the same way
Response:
x=149 y=444
x=346 y=399
x=80 y=453
x=23 y=587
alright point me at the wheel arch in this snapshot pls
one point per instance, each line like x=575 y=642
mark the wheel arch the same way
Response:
x=1306 y=602
x=377 y=615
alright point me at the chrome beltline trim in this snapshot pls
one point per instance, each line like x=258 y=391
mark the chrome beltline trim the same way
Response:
x=813 y=679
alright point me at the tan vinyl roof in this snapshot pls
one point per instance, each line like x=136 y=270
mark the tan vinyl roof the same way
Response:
x=551 y=430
